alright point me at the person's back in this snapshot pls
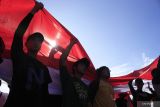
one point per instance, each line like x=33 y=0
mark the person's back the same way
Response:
x=104 y=96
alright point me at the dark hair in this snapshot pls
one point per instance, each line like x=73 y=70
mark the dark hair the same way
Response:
x=138 y=80
x=99 y=71
x=36 y=35
x=83 y=61
x=122 y=95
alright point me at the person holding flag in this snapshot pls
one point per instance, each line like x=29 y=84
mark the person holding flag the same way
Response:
x=75 y=91
x=29 y=87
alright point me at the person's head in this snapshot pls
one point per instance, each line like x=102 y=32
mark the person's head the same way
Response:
x=139 y=83
x=34 y=42
x=80 y=67
x=2 y=46
x=122 y=95
x=103 y=72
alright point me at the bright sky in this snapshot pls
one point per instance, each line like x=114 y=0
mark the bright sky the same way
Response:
x=121 y=34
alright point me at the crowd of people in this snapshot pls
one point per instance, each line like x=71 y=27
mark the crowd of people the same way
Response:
x=29 y=86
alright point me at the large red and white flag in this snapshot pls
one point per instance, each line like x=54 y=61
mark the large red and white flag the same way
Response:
x=11 y=14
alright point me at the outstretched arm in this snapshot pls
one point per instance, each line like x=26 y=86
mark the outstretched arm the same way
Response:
x=17 y=45
x=66 y=52
x=62 y=64
x=131 y=88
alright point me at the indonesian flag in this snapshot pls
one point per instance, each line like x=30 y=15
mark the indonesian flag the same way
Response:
x=144 y=73
x=11 y=14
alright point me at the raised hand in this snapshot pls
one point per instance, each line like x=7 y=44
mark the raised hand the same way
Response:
x=38 y=6
x=53 y=51
x=56 y=49
x=73 y=40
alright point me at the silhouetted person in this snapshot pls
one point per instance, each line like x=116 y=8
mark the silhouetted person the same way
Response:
x=29 y=87
x=2 y=47
x=139 y=94
x=101 y=92
x=156 y=84
x=75 y=92
x=121 y=101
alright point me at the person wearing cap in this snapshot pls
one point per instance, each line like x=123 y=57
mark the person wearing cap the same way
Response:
x=29 y=87
x=101 y=91
x=75 y=92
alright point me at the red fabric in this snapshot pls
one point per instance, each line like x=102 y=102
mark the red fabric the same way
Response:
x=144 y=73
x=11 y=14
x=13 y=11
